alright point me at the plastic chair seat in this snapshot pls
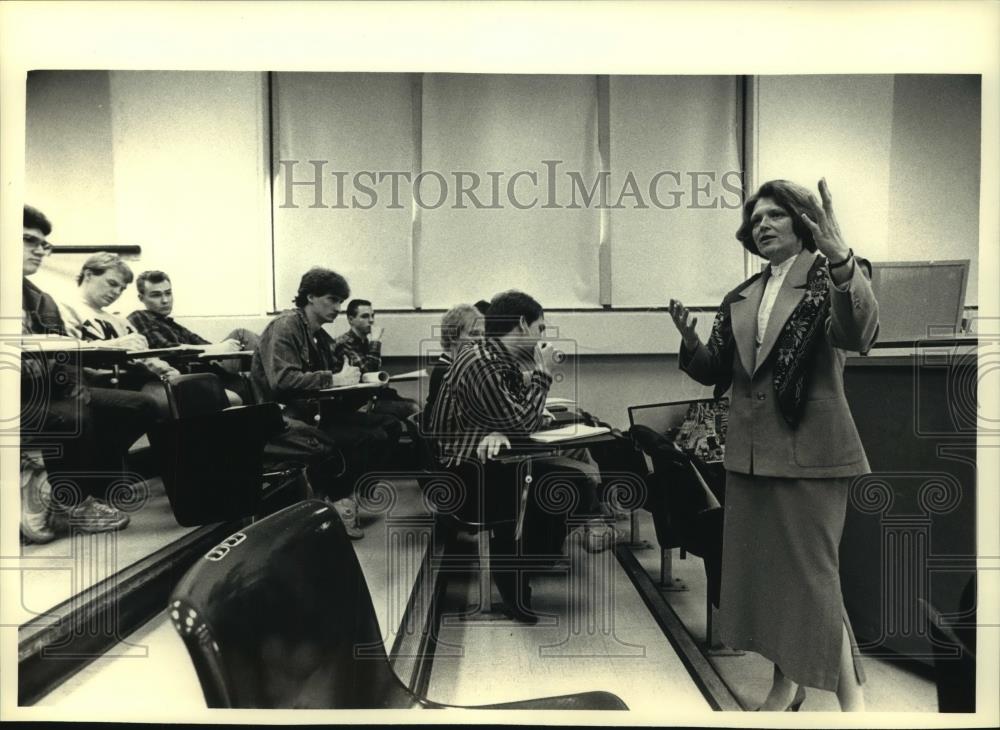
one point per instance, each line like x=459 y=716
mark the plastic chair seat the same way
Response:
x=279 y=615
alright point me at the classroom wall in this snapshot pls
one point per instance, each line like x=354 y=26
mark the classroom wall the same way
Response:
x=69 y=154
x=934 y=171
x=176 y=162
x=173 y=162
x=602 y=385
x=900 y=153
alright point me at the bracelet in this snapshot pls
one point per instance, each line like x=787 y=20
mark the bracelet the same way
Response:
x=850 y=255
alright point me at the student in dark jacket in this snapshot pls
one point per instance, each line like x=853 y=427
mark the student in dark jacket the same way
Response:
x=294 y=359
x=84 y=432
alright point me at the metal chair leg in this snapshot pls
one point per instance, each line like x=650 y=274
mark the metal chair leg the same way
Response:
x=485 y=585
x=668 y=583
x=713 y=647
x=636 y=542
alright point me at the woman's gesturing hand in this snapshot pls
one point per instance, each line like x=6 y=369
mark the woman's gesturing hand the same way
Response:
x=679 y=313
x=826 y=230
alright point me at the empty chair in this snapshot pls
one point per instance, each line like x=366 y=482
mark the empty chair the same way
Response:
x=195 y=394
x=953 y=639
x=686 y=511
x=210 y=455
x=279 y=616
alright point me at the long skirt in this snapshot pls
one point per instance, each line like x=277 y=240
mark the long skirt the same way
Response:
x=781 y=594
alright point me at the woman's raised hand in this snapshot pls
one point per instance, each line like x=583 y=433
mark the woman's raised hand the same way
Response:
x=826 y=230
x=679 y=313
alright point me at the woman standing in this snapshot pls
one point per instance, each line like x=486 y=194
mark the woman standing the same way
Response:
x=779 y=341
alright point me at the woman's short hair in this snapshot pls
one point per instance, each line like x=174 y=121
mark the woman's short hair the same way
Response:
x=101 y=262
x=506 y=310
x=319 y=282
x=794 y=199
x=34 y=218
x=460 y=318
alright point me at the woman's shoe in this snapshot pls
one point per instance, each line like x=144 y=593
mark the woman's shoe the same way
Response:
x=796 y=703
x=800 y=697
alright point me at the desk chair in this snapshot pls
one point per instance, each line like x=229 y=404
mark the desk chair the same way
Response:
x=953 y=639
x=279 y=615
x=211 y=455
x=686 y=513
x=449 y=518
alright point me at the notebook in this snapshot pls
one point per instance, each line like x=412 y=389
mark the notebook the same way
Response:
x=568 y=433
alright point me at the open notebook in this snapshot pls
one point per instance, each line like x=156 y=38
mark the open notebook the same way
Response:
x=568 y=433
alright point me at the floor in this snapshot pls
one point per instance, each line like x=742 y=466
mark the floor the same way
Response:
x=151 y=668
x=595 y=634
x=54 y=572
x=889 y=687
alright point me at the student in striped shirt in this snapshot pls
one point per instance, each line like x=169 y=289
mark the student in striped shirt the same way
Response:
x=494 y=394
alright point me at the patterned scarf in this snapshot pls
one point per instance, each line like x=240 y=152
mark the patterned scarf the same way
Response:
x=797 y=343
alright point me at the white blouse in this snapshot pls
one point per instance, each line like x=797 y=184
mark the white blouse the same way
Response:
x=771 y=289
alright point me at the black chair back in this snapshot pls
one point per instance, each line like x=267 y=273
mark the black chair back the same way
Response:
x=283 y=619
x=195 y=394
x=955 y=653
x=279 y=615
x=212 y=463
x=683 y=504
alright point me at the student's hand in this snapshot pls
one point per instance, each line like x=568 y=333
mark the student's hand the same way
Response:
x=679 y=314
x=547 y=418
x=491 y=444
x=160 y=368
x=376 y=334
x=221 y=348
x=348 y=375
x=544 y=357
x=133 y=341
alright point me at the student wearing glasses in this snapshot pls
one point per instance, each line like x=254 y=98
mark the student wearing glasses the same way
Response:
x=83 y=432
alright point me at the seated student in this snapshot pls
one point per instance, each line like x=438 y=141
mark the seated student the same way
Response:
x=101 y=281
x=83 y=432
x=461 y=324
x=294 y=358
x=495 y=391
x=161 y=330
x=361 y=346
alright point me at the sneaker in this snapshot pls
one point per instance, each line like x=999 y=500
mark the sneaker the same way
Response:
x=348 y=513
x=91 y=515
x=600 y=537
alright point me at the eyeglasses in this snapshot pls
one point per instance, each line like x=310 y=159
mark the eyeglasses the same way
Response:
x=36 y=242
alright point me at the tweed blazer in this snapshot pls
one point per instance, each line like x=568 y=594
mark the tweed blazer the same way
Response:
x=825 y=443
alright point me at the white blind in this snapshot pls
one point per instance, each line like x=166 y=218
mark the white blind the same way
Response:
x=677 y=136
x=353 y=124
x=508 y=125
x=189 y=185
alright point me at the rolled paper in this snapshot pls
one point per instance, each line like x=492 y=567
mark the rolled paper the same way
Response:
x=377 y=377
